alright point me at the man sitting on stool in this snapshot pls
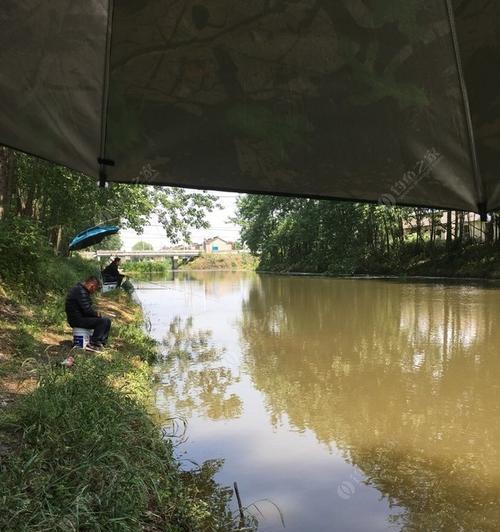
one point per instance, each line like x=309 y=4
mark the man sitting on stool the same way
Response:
x=81 y=313
x=110 y=274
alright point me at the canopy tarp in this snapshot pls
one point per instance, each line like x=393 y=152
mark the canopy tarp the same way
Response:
x=379 y=100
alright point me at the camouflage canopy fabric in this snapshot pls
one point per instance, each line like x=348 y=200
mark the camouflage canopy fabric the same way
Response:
x=379 y=100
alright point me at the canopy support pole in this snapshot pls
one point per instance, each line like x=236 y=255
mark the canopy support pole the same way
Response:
x=103 y=175
x=481 y=204
x=483 y=212
x=103 y=162
x=102 y=178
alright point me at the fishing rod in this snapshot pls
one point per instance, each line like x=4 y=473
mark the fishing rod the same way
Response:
x=162 y=287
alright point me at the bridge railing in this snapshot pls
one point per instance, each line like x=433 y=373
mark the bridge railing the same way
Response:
x=142 y=254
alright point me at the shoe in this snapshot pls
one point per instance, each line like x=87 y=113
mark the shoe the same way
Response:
x=96 y=348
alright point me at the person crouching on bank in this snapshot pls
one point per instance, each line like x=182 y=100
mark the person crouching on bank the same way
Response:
x=111 y=274
x=80 y=312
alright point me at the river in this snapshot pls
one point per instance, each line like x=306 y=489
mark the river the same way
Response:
x=349 y=404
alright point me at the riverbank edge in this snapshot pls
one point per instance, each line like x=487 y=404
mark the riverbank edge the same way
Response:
x=368 y=277
x=205 y=262
x=83 y=447
x=470 y=262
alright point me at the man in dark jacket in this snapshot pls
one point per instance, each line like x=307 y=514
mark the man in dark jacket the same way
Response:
x=110 y=274
x=81 y=313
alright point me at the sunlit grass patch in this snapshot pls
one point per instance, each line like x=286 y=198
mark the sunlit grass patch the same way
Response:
x=81 y=447
x=92 y=458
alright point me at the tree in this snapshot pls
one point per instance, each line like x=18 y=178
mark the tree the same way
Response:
x=179 y=211
x=110 y=243
x=142 y=246
x=64 y=202
x=6 y=180
x=320 y=235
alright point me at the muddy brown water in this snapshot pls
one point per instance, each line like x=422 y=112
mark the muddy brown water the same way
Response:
x=352 y=405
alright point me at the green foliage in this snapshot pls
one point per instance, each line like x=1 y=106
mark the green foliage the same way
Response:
x=290 y=234
x=142 y=246
x=21 y=244
x=110 y=243
x=179 y=211
x=223 y=261
x=298 y=235
x=28 y=263
x=147 y=266
x=64 y=203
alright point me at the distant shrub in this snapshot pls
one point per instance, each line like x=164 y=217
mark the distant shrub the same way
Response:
x=222 y=261
x=147 y=266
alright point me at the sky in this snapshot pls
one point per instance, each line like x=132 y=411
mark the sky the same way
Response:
x=219 y=226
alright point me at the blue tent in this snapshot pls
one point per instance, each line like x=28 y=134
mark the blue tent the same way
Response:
x=92 y=236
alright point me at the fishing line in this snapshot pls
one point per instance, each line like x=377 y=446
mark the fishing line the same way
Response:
x=186 y=293
x=163 y=287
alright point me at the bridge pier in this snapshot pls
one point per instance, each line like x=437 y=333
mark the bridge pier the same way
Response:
x=174 y=262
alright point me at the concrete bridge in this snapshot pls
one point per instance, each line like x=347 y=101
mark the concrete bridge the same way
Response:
x=173 y=254
x=180 y=253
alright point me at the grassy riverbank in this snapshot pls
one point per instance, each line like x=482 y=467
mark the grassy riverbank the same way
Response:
x=82 y=448
x=223 y=261
x=478 y=260
x=474 y=261
x=206 y=261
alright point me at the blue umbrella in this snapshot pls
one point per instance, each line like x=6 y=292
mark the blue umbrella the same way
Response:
x=92 y=236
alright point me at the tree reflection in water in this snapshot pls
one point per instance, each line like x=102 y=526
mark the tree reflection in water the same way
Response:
x=193 y=377
x=403 y=378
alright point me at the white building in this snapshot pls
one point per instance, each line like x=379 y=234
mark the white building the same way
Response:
x=216 y=244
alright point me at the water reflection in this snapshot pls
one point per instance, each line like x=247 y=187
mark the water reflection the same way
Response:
x=193 y=378
x=403 y=378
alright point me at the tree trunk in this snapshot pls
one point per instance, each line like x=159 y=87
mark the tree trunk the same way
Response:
x=461 y=219
x=458 y=236
x=489 y=230
x=6 y=178
x=56 y=238
x=433 y=228
x=387 y=242
x=448 y=229
x=418 y=218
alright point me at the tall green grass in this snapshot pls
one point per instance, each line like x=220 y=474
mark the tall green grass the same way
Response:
x=91 y=457
x=147 y=266
x=84 y=450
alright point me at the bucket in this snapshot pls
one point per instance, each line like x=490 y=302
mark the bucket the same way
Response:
x=81 y=337
x=107 y=287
